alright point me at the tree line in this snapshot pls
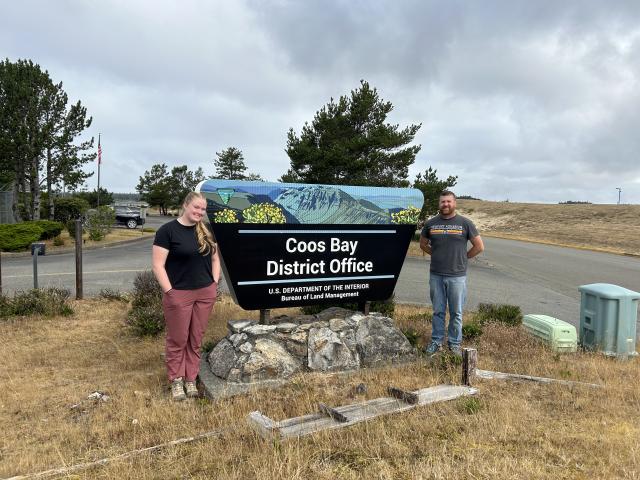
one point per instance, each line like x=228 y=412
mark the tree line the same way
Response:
x=41 y=151
x=348 y=142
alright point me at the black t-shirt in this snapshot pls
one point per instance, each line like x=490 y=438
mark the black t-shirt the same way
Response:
x=448 y=238
x=186 y=268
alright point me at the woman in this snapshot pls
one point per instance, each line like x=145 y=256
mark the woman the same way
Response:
x=186 y=264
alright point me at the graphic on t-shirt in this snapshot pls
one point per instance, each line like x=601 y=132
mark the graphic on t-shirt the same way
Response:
x=446 y=230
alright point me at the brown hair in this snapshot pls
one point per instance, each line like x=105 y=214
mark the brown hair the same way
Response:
x=447 y=193
x=206 y=243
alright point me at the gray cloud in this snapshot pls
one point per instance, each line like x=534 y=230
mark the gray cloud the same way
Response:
x=531 y=101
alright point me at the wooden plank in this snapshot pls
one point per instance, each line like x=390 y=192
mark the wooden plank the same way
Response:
x=488 y=374
x=264 y=425
x=331 y=412
x=363 y=411
x=408 y=397
x=469 y=364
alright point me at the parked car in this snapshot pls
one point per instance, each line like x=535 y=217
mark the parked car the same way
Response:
x=131 y=215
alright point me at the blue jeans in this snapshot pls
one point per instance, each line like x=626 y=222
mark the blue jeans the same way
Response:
x=447 y=290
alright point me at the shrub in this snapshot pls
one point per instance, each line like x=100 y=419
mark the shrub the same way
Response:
x=146 y=321
x=469 y=405
x=69 y=208
x=5 y=306
x=49 y=228
x=58 y=241
x=19 y=236
x=71 y=228
x=149 y=230
x=508 y=314
x=100 y=222
x=471 y=330
x=110 y=294
x=412 y=336
x=47 y=301
x=145 y=316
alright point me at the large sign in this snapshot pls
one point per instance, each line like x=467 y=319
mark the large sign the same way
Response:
x=287 y=245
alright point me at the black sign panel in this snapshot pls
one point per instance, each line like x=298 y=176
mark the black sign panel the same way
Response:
x=286 y=265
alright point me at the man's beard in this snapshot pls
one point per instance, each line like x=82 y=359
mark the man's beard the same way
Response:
x=450 y=210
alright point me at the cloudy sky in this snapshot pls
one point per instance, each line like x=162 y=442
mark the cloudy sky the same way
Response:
x=523 y=100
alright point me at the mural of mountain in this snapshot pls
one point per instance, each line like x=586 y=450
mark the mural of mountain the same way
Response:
x=370 y=205
x=330 y=205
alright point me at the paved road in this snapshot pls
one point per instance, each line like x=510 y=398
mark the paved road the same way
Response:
x=540 y=278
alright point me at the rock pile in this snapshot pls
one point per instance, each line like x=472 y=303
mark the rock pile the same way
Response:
x=333 y=340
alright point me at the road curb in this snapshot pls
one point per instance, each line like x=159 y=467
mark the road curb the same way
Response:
x=84 y=248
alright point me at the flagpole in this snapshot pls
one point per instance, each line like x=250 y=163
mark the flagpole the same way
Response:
x=99 y=162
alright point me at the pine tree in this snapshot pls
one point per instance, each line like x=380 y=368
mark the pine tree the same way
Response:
x=230 y=164
x=349 y=143
x=431 y=187
x=38 y=136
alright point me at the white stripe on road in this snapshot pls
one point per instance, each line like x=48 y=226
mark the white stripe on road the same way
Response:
x=73 y=273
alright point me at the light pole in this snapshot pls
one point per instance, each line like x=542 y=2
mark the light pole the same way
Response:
x=619 y=192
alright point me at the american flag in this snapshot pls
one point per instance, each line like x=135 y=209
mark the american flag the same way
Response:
x=99 y=152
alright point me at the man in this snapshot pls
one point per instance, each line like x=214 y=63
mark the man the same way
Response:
x=445 y=237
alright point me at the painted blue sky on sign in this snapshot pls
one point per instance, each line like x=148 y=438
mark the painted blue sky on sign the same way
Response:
x=312 y=204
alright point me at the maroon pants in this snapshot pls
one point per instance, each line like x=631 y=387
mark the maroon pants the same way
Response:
x=186 y=313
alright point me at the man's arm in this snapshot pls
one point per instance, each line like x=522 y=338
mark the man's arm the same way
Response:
x=476 y=248
x=424 y=244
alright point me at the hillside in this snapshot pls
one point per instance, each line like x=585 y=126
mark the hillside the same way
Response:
x=611 y=228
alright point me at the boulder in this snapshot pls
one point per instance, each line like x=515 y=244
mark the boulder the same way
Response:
x=379 y=340
x=236 y=326
x=259 y=329
x=285 y=327
x=327 y=351
x=333 y=312
x=222 y=358
x=237 y=339
x=269 y=359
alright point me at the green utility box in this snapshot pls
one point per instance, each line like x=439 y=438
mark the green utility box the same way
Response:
x=608 y=315
x=560 y=336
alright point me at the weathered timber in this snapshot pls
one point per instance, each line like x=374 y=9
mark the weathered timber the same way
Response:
x=469 y=364
x=331 y=412
x=408 y=397
x=488 y=374
x=355 y=413
x=264 y=425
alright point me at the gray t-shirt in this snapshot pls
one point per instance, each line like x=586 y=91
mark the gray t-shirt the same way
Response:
x=448 y=238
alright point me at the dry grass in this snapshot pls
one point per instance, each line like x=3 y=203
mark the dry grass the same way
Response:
x=520 y=431
x=610 y=228
x=606 y=228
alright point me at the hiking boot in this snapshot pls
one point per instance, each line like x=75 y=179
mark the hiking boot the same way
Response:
x=192 y=390
x=456 y=351
x=432 y=349
x=177 y=390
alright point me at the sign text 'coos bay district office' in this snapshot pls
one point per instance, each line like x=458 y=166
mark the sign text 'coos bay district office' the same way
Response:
x=287 y=244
